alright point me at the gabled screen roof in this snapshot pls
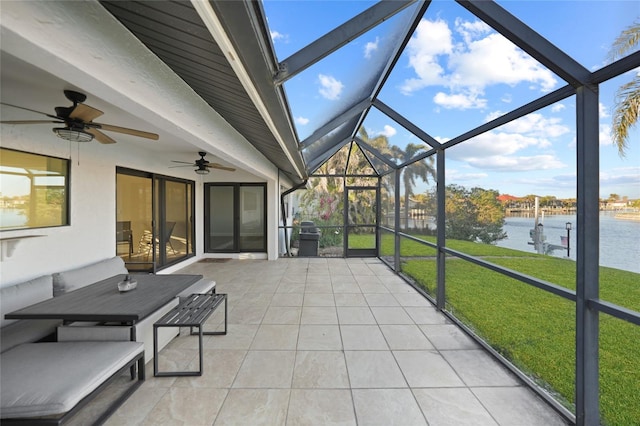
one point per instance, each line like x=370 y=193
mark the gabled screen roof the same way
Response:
x=423 y=75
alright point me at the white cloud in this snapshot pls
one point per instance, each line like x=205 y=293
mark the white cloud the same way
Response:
x=603 y=111
x=330 y=88
x=494 y=60
x=533 y=124
x=453 y=175
x=471 y=30
x=459 y=100
x=495 y=143
x=536 y=124
x=388 y=131
x=431 y=39
x=497 y=151
x=558 y=107
x=604 y=134
x=493 y=115
x=551 y=184
x=481 y=58
x=275 y=35
x=302 y=121
x=521 y=163
x=370 y=47
x=627 y=176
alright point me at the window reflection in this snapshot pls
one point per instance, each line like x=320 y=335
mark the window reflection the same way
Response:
x=33 y=190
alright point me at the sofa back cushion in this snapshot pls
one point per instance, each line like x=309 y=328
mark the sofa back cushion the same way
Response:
x=24 y=294
x=26 y=331
x=16 y=332
x=74 y=279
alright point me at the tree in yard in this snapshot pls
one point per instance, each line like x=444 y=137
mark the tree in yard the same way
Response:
x=379 y=142
x=627 y=108
x=324 y=201
x=473 y=215
x=421 y=169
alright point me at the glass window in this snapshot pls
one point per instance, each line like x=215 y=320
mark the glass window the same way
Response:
x=252 y=219
x=221 y=229
x=134 y=219
x=178 y=238
x=34 y=190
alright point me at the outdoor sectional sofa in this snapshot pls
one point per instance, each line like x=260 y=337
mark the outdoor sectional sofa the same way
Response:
x=50 y=369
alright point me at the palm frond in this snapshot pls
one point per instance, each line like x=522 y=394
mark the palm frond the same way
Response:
x=626 y=113
x=626 y=41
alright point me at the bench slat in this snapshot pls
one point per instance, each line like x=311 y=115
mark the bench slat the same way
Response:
x=193 y=311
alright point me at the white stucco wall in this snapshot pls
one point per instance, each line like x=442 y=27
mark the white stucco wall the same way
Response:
x=110 y=65
x=90 y=235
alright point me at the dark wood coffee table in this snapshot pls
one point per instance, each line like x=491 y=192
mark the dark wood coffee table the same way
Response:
x=102 y=302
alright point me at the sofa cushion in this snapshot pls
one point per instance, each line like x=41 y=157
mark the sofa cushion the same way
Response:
x=41 y=379
x=26 y=331
x=24 y=294
x=74 y=279
x=88 y=333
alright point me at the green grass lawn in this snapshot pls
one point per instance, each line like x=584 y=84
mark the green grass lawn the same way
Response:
x=536 y=329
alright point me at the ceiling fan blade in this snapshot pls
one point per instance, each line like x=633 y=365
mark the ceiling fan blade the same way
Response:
x=181 y=162
x=30 y=121
x=186 y=165
x=125 y=130
x=100 y=137
x=32 y=110
x=221 y=167
x=85 y=113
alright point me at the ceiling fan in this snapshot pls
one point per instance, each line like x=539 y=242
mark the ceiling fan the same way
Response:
x=78 y=122
x=203 y=166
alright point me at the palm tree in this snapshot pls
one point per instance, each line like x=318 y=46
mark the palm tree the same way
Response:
x=420 y=169
x=627 y=98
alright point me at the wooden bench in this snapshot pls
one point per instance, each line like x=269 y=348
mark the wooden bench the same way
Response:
x=192 y=312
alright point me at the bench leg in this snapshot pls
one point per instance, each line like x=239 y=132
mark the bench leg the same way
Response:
x=157 y=373
x=217 y=333
x=155 y=350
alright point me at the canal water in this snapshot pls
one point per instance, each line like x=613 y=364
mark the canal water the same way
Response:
x=619 y=238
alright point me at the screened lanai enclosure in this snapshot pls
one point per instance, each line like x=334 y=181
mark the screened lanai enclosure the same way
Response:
x=392 y=128
x=385 y=177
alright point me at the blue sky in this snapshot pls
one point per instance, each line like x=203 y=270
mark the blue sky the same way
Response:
x=457 y=73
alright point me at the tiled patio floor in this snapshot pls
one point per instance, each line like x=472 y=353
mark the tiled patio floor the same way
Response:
x=329 y=341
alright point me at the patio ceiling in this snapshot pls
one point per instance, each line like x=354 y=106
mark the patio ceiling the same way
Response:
x=240 y=91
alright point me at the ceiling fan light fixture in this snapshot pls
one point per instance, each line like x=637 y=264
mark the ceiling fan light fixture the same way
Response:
x=202 y=170
x=73 y=135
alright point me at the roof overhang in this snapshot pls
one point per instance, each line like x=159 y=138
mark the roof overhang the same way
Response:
x=222 y=50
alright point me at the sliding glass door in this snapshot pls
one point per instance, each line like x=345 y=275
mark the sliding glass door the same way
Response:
x=154 y=220
x=221 y=219
x=235 y=218
x=175 y=231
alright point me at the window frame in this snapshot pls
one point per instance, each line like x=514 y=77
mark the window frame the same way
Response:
x=65 y=215
x=236 y=214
